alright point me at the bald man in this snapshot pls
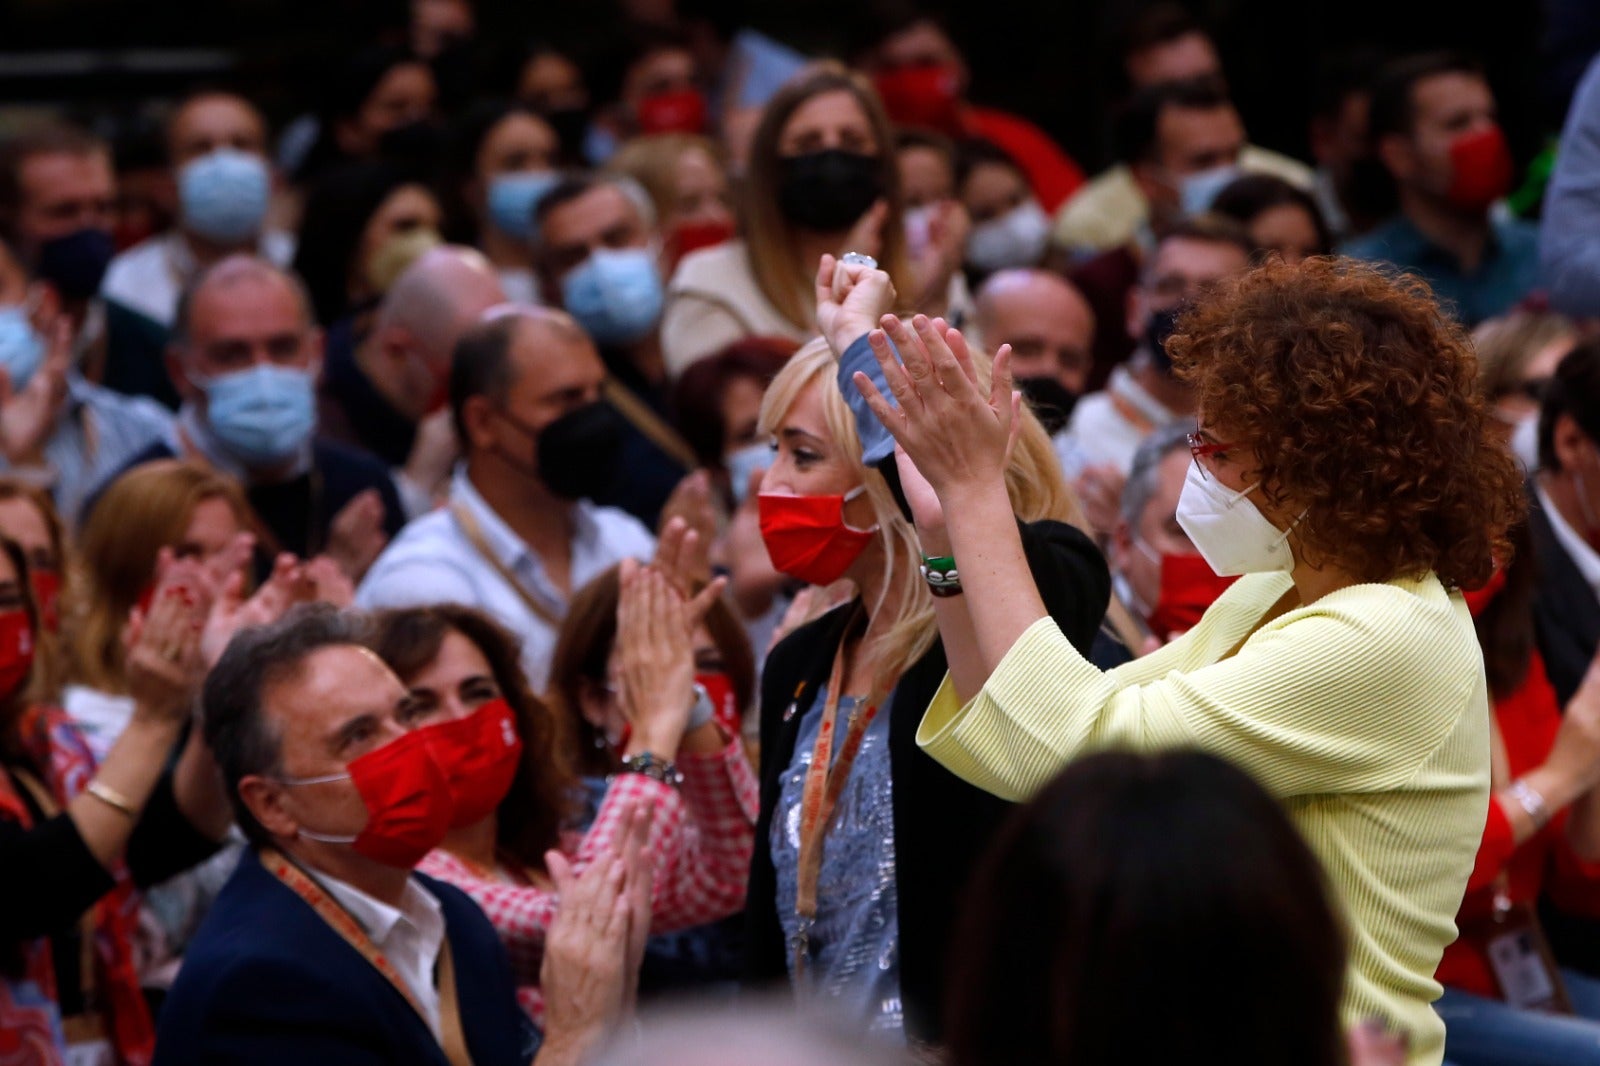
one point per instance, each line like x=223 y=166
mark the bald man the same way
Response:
x=387 y=394
x=517 y=538
x=245 y=356
x=1050 y=328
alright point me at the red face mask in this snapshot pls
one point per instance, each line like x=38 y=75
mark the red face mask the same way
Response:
x=407 y=797
x=926 y=96
x=479 y=755
x=807 y=538
x=47 y=595
x=16 y=652
x=1481 y=169
x=1188 y=587
x=679 y=111
x=724 y=701
x=692 y=236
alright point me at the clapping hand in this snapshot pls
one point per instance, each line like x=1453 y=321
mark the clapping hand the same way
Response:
x=688 y=528
x=955 y=433
x=595 y=944
x=28 y=415
x=655 y=651
x=163 y=662
x=356 y=536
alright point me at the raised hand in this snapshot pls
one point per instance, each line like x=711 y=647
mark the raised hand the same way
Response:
x=587 y=976
x=356 y=536
x=866 y=236
x=323 y=580
x=656 y=657
x=28 y=415
x=687 y=529
x=1100 y=489
x=163 y=663
x=942 y=257
x=957 y=435
x=851 y=298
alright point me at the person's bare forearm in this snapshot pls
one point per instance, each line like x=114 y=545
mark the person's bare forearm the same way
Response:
x=198 y=788
x=999 y=600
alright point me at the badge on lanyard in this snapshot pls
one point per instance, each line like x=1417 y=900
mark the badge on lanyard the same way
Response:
x=1524 y=967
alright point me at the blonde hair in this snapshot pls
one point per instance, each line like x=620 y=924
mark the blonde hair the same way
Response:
x=1506 y=344
x=771 y=240
x=1034 y=484
x=143 y=511
x=653 y=163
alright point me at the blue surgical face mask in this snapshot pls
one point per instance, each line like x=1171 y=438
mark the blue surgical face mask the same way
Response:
x=223 y=195
x=514 y=197
x=1197 y=191
x=614 y=294
x=742 y=465
x=263 y=415
x=21 y=347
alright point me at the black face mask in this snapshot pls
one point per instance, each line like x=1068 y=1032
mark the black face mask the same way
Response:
x=578 y=452
x=827 y=191
x=1158 y=327
x=75 y=264
x=1052 y=402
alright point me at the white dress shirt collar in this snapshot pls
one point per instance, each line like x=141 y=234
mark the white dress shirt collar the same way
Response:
x=409 y=936
x=1578 y=549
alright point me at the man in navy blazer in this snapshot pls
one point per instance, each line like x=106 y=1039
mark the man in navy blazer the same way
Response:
x=324 y=947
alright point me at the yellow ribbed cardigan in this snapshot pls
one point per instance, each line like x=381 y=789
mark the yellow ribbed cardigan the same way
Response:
x=1366 y=714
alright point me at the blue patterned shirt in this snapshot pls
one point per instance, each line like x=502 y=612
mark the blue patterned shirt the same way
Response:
x=854 y=956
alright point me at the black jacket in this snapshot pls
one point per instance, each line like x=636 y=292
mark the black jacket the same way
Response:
x=1566 y=617
x=942 y=825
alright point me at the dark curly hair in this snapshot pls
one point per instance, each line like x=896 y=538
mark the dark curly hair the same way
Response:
x=1360 y=400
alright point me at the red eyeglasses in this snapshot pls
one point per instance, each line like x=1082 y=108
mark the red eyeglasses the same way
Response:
x=1199 y=448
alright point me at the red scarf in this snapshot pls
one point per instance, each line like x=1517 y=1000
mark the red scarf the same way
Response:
x=30 y=1022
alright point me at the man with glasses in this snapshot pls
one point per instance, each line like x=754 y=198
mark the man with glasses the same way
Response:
x=1098 y=445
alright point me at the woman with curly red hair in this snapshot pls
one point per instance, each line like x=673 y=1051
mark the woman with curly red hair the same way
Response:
x=1345 y=465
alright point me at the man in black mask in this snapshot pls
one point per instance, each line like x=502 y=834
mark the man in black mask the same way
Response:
x=1050 y=328
x=518 y=537
x=57 y=200
x=1106 y=427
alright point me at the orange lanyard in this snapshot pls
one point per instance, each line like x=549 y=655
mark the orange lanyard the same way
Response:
x=825 y=780
x=341 y=921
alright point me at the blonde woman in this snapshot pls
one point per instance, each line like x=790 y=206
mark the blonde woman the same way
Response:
x=852 y=892
x=163 y=504
x=822 y=178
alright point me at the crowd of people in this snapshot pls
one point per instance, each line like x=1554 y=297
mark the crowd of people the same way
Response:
x=764 y=533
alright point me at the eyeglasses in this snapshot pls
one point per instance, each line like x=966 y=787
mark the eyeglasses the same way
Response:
x=1199 y=447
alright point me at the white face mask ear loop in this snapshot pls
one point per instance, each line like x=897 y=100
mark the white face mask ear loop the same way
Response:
x=859 y=490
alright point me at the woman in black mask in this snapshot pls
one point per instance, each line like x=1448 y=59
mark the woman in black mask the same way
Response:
x=820 y=178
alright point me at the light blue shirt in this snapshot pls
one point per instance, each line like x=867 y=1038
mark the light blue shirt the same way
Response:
x=433 y=561
x=98 y=432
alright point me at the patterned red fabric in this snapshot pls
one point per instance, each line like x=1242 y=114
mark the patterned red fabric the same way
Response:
x=30 y=1024
x=701 y=838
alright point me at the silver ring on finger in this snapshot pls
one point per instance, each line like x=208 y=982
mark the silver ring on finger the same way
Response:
x=853 y=258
